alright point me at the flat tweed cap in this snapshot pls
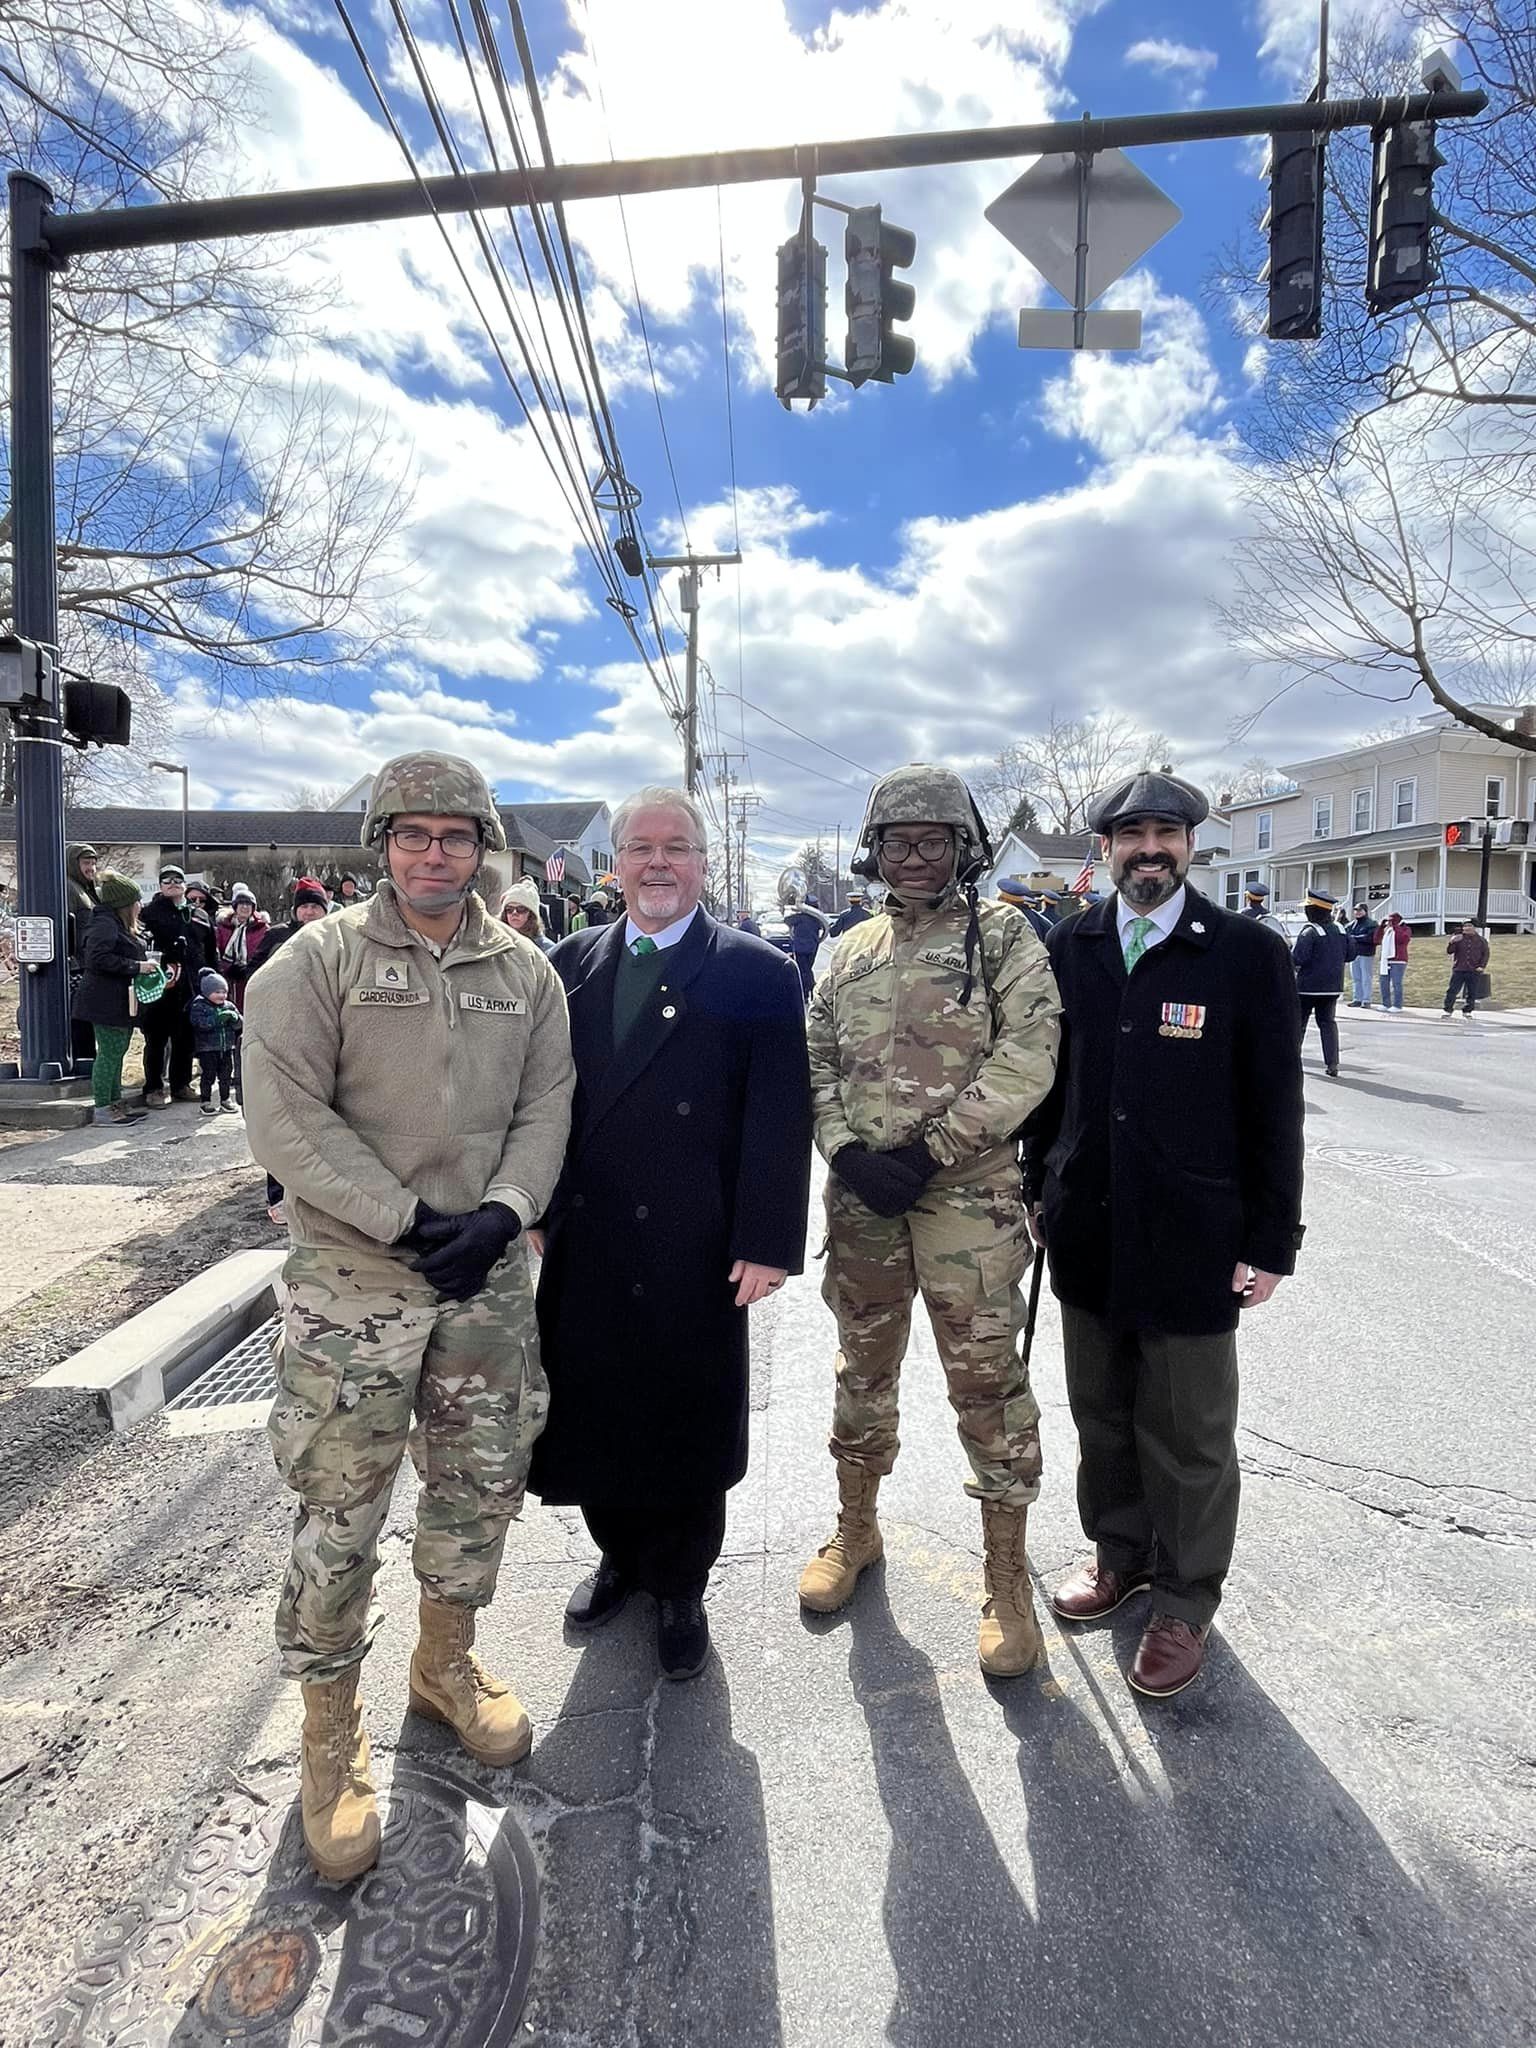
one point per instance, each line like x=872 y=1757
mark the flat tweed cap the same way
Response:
x=1149 y=795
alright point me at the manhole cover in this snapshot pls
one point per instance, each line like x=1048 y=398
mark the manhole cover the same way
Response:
x=241 y=1946
x=246 y=1373
x=1401 y=1165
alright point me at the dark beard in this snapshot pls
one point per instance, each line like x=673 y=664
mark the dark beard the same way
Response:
x=1149 y=892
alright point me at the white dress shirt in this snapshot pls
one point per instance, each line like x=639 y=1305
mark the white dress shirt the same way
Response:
x=667 y=936
x=1162 y=920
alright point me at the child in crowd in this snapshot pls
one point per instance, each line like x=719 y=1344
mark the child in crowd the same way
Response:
x=216 y=1027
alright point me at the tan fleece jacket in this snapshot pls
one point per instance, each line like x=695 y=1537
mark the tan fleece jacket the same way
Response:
x=376 y=1075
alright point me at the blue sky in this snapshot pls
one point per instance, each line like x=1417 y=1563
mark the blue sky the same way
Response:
x=933 y=568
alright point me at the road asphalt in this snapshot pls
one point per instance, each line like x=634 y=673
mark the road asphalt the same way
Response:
x=842 y=1835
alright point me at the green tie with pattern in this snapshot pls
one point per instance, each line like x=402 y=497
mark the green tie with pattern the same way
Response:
x=644 y=945
x=1137 y=944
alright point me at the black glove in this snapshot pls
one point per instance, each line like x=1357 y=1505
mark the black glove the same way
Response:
x=916 y=1157
x=429 y=1226
x=883 y=1181
x=467 y=1248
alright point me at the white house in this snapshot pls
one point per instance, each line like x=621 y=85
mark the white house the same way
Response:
x=1369 y=825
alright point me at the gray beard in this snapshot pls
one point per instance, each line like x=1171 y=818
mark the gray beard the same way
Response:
x=1149 y=892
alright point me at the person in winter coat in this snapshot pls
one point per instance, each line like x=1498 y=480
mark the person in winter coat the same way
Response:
x=216 y=1025
x=239 y=937
x=1362 y=930
x=1167 y=1166
x=80 y=901
x=807 y=929
x=519 y=911
x=858 y=912
x=1319 y=956
x=349 y=891
x=167 y=1031
x=111 y=959
x=1392 y=940
x=681 y=1204
x=1469 y=956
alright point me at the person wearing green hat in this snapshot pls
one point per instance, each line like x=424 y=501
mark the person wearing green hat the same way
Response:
x=111 y=965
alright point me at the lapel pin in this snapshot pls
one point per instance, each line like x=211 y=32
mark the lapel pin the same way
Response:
x=669 y=1010
x=1197 y=927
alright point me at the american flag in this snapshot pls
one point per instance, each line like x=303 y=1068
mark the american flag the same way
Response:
x=1084 y=879
x=554 y=867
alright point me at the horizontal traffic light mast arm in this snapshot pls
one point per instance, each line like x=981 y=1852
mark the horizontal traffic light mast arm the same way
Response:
x=326 y=206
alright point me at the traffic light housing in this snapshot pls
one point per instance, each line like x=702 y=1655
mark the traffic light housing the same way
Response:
x=1295 y=225
x=1459 y=834
x=1401 y=261
x=875 y=299
x=99 y=714
x=802 y=321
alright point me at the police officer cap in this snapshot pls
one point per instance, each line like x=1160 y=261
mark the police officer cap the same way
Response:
x=1149 y=795
x=1013 y=889
x=1258 y=892
x=1319 y=899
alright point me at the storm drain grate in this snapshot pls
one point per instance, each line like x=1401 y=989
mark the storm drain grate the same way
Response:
x=244 y=1374
x=1401 y=1165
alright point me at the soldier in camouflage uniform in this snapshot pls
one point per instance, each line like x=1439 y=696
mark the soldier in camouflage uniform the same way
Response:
x=408 y=1079
x=932 y=1036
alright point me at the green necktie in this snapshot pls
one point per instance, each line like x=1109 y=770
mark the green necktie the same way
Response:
x=642 y=946
x=1140 y=926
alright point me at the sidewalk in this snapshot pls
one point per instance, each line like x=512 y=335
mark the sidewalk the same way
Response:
x=1509 y=1020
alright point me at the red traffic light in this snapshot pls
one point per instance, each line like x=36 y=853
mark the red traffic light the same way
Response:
x=1456 y=835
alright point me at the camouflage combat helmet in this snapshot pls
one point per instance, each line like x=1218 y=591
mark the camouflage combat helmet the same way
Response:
x=922 y=793
x=437 y=786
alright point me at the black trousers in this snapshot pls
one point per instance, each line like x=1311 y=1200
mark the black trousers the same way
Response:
x=220 y=1067
x=167 y=1032
x=1464 y=984
x=1157 y=1475
x=664 y=1548
x=1323 y=1008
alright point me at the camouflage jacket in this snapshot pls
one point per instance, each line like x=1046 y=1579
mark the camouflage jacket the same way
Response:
x=377 y=1074
x=893 y=1055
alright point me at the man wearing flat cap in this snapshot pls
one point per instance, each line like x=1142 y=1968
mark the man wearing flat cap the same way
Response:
x=1164 y=1173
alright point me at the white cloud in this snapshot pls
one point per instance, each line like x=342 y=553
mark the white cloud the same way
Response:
x=1126 y=406
x=1157 y=53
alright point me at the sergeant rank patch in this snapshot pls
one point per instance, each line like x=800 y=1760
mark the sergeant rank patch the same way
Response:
x=1182 y=1020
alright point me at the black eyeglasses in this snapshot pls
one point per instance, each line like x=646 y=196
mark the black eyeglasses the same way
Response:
x=416 y=839
x=932 y=846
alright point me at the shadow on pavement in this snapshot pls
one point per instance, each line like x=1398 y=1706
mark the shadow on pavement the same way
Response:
x=1199 y=1878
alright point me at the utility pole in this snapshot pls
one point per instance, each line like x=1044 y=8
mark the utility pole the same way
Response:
x=746 y=800
x=727 y=784
x=688 y=598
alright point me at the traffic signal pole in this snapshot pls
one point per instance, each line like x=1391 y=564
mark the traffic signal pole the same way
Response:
x=43 y=241
x=37 y=732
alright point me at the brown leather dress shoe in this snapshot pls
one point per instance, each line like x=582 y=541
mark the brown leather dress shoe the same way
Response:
x=1168 y=1657
x=1093 y=1591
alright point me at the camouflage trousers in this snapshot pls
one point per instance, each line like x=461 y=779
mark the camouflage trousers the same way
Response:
x=965 y=1249
x=370 y=1361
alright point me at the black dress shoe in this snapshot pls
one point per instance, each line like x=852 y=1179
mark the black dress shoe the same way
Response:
x=682 y=1638
x=598 y=1598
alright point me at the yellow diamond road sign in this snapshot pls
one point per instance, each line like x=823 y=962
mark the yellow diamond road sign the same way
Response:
x=1127 y=214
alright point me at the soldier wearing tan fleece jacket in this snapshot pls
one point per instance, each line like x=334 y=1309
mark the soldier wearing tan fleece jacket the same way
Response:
x=408 y=1079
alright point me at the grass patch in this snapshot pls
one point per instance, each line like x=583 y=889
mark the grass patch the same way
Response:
x=1513 y=968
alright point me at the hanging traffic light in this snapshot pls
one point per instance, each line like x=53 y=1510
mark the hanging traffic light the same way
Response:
x=802 y=320
x=1401 y=263
x=874 y=298
x=1295 y=225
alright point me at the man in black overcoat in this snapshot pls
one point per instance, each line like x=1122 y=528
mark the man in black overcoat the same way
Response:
x=683 y=1201
x=1165 y=1173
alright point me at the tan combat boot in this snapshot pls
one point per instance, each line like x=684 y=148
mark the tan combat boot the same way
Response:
x=1009 y=1641
x=449 y=1683
x=828 y=1581
x=341 y=1817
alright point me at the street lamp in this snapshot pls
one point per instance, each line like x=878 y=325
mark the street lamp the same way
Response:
x=178 y=768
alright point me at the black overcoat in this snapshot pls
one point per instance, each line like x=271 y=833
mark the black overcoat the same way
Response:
x=110 y=957
x=690 y=1148
x=1170 y=1146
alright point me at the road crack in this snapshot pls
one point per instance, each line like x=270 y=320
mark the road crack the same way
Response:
x=1436 y=1507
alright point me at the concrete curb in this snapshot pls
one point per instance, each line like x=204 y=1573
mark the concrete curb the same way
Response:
x=135 y=1368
